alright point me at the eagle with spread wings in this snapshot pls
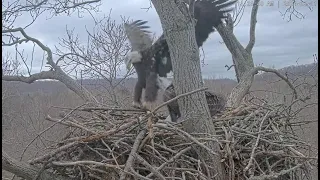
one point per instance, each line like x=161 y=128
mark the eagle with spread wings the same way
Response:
x=152 y=62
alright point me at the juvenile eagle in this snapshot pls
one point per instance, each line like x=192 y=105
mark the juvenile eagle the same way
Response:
x=216 y=103
x=152 y=61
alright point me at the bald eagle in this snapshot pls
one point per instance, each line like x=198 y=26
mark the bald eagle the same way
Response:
x=140 y=40
x=216 y=103
x=152 y=61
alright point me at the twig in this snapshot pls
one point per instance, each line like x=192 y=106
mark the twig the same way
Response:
x=170 y=160
x=51 y=154
x=70 y=124
x=38 y=135
x=177 y=97
x=133 y=151
x=275 y=175
x=138 y=175
x=173 y=129
x=149 y=166
x=110 y=132
x=256 y=144
x=89 y=109
x=74 y=163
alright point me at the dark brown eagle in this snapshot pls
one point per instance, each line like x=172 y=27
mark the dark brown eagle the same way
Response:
x=216 y=103
x=152 y=61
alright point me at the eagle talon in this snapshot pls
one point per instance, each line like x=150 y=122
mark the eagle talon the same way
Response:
x=146 y=106
x=136 y=105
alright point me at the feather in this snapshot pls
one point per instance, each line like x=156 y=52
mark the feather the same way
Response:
x=138 y=36
x=208 y=13
x=216 y=102
x=153 y=60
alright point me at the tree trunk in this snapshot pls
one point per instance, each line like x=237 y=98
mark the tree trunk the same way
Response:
x=241 y=57
x=26 y=171
x=243 y=64
x=178 y=28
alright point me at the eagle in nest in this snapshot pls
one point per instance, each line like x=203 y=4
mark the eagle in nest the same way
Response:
x=216 y=103
x=152 y=62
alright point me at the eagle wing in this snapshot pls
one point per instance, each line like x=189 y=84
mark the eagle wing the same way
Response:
x=208 y=13
x=138 y=35
x=216 y=102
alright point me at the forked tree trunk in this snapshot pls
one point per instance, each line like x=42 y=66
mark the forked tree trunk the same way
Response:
x=241 y=56
x=179 y=31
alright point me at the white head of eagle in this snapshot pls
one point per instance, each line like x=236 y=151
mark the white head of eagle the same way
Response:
x=132 y=57
x=139 y=39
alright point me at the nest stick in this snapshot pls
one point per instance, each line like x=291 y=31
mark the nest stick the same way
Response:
x=133 y=151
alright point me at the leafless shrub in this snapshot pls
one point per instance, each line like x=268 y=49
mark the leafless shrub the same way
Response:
x=13 y=35
x=100 y=58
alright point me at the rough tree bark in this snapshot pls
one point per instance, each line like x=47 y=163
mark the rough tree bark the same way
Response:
x=241 y=56
x=242 y=59
x=26 y=171
x=178 y=28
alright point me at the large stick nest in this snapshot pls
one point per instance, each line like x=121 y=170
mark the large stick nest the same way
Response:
x=256 y=142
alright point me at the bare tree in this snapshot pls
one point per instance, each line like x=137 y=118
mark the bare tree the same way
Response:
x=178 y=27
x=101 y=57
x=242 y=56
x=14 y=36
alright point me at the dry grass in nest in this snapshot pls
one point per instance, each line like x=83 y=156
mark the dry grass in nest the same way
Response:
x=256 y=141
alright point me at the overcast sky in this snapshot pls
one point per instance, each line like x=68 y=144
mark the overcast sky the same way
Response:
x=278 y=43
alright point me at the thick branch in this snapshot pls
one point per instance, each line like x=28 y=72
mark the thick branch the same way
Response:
x=131 y=158
x=229 y=22
x=24 y=170
x=253 y=23
x=242 y=59
x=242 y=88
x=32 y=78
x=59 y=75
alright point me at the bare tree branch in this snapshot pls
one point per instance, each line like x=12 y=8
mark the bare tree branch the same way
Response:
x=242 y=88
x=14 y=9
x=39 y=43
x=32 y=78
x=238 y=12
x=292 y=11
x=100 y=57
x=253 y=23
x=11 y=11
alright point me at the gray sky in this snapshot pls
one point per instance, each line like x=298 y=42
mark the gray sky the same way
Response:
x=278 y=43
